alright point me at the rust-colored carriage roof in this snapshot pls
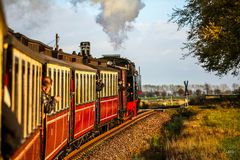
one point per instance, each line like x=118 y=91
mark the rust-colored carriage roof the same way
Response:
x=15 y=43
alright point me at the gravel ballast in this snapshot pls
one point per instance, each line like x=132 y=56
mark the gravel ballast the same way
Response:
x=131 y=141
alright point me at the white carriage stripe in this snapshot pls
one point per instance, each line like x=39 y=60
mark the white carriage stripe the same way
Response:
x=109 y=117
x=56 y=148
x=28 y=146
x=78 y=110
x=53 y=120
x=83 y=130
x=109 y=100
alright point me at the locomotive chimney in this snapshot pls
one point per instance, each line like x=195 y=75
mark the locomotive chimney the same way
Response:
x=85 y=49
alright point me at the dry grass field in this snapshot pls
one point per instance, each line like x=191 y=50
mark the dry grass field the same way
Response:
x=200 y=133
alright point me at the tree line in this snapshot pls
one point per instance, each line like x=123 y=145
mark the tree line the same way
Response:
x=193 y=90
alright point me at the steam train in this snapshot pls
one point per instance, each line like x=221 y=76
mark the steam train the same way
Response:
x=96 y=95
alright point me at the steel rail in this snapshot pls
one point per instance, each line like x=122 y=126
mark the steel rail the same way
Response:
x=78 y=153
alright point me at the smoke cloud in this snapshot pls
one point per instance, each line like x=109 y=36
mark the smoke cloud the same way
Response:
x=116 y=17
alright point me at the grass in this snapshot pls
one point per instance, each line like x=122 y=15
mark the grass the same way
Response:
x=149 y=103
x=197 y=133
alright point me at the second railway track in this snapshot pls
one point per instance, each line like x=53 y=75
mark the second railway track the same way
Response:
x=85 y=148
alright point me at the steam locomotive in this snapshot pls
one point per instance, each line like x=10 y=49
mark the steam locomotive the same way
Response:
x=96 y=95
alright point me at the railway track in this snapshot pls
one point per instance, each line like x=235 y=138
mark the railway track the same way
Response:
x=79 y=153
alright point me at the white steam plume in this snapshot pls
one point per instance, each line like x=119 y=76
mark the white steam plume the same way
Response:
x=116 y=17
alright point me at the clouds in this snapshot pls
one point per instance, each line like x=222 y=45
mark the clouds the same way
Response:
x=31 y=14
x=153 y=43
x=115 y=17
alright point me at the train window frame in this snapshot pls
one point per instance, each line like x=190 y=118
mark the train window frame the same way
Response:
x=22 y=90
x=54 y=85
x=76 y=87
x=94 y=87
x=87 y=88
x=80 y=87
x=60 y=76
x=58 y=106
x=91 y=87
x=29 y=93
x=57 y=90
x=101 y=77
x=111 y=85
x=105 y=86
x=114 y=84
x=83 y=88
x=63 y=89
x=38 y=99
x=24 y=95
x=66 y=89
x=32 y=83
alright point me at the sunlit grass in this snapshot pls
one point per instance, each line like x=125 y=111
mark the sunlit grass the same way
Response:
x=198 y=133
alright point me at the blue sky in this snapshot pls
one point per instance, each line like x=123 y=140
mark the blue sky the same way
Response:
x=153 y=43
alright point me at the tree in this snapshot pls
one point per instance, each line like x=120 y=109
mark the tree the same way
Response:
x=207 y=88
x=180 y=92
x=164 y=93
x=217 y=91
x=198 y=92
x=214 y=33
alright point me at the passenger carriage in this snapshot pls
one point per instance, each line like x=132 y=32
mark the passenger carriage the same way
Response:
x=56 y=130
x=83 y=97
x=24 y=75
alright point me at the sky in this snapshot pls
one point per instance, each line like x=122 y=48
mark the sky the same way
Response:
x=138 y=29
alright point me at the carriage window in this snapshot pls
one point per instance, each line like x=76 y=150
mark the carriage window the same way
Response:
x=84 y=87
x=38 y=99
x=103 y=89
x=29 y=105
x=110 y=84
x=102 y=77
x=66 y=91
x=54 y=82
x=23 y=106
x=94 y=88
x=15 y=101
x=68 y=85
x=87 y=89
x=49 y=72
x=91 y=89
x=58 y=89
x=34 y=87
x=76 y=89
x=114 y=85
x=62 y=91
x=116 y=82
x=80 y=88
x=107 y=84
